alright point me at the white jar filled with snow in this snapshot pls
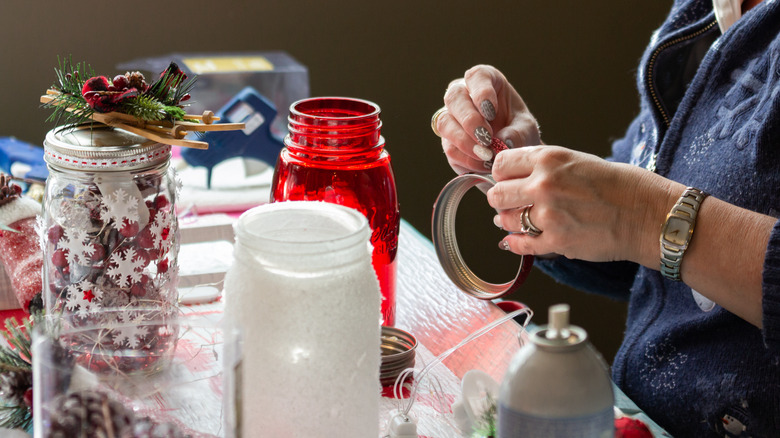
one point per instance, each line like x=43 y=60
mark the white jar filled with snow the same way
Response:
x=109 y=232
x=305 y=298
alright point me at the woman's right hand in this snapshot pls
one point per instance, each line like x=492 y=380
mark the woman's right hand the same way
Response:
x=479 y=106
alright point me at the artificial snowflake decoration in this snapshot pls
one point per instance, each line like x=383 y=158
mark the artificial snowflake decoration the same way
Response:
x=129 y=330
x=161 y=229
x=75 y=242
x=119 y=206
x=83 y=298
x=125 y=266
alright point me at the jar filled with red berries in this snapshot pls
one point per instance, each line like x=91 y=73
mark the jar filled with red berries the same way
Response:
x=109 y=232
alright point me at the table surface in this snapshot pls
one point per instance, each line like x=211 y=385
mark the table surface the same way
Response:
x=439 y=315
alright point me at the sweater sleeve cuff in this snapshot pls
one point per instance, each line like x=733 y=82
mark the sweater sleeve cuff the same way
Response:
x=771 y=292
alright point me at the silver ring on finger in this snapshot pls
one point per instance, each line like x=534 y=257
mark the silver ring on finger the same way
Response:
x=526 y=226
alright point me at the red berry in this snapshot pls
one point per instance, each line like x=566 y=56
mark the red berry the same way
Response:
x=60 y=258
x=121 y=82
x=153 y=254
x=138 y=290
x=99 y=252
x=129 y=229
x=55 y=233
x=28 y=398
x=145 y=239
x=142 y=254
x=161 y=202
x=162 y=266
x=185 y=98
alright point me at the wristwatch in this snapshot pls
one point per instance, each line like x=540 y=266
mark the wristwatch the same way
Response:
x=677 y=231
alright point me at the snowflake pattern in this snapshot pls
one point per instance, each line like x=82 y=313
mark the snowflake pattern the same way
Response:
x=119 y=206
x=129 y=331
x=662 y=363
x=76 y=242
x=161 y=229
x=83 y=298
x=125 y=266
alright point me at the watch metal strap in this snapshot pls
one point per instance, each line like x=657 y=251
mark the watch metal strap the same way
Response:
x=686 y=208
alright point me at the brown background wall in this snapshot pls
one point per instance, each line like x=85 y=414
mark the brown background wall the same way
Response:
x=573 y=61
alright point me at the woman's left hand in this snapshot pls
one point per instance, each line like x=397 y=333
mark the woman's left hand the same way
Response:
x=587 y=208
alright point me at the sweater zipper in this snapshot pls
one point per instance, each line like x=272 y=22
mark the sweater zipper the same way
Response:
x=650 y=83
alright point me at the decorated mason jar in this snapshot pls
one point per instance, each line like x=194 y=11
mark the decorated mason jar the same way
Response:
x=109 y=230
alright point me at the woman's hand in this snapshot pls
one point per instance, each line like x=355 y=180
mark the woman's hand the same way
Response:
x=587 y=208
x=479 y=106
x=591 y=209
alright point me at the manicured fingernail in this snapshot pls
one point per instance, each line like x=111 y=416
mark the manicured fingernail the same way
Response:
x=497 y=221
x=483 y=136
x=484 y=154
x=504 y=245
x=488 y=110
x=509 y=143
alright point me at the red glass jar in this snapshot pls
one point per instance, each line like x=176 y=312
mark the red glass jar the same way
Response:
x=334 y=152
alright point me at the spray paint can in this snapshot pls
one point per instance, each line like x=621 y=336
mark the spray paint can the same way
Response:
x=557 y=385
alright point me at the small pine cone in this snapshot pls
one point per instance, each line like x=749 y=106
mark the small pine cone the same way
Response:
x=8 y=192
x=86 y=414
x=146 y=428
x=136 y=80
x=13 y=385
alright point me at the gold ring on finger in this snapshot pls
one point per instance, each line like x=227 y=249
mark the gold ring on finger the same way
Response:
x=435 y=120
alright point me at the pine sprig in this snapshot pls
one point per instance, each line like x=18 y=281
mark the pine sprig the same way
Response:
x=145 y=108
x=486 y=426
x=15 y=417
x=19 y=337
x=70 y=81
x=171 y=87
x=71 y=78
x=16 y=359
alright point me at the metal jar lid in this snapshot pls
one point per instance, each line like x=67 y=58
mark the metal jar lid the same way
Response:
x=398 y=352
x=446 y=245
x=96 y=147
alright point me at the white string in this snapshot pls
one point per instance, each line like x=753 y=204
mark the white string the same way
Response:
x=399 y=383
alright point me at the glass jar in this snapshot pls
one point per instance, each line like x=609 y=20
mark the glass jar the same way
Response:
x=305 y=300
x=109 y=232
x=334 y=153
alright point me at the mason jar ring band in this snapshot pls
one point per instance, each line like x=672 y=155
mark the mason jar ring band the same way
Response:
x=446 y=245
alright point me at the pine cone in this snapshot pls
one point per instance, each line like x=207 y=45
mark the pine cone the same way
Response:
x=87 y=414
x=8 y=192
x=13 y=385
x=136 y=80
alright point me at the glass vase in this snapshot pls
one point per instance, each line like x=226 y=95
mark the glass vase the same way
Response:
x=334 y=152
x=305 y=299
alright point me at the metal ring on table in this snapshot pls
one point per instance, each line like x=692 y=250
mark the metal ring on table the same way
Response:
x=446 y=245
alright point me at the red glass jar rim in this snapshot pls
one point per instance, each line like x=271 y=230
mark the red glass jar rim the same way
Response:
x=334 y=111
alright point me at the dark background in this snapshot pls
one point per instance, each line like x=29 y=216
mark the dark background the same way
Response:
x=573 y=61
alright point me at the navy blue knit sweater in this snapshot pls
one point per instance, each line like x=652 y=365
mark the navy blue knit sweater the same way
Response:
x=709 y=118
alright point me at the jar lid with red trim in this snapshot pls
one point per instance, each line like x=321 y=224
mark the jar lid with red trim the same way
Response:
x=97 y=147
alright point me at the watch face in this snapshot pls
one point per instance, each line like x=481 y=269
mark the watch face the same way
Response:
x=677 y=230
